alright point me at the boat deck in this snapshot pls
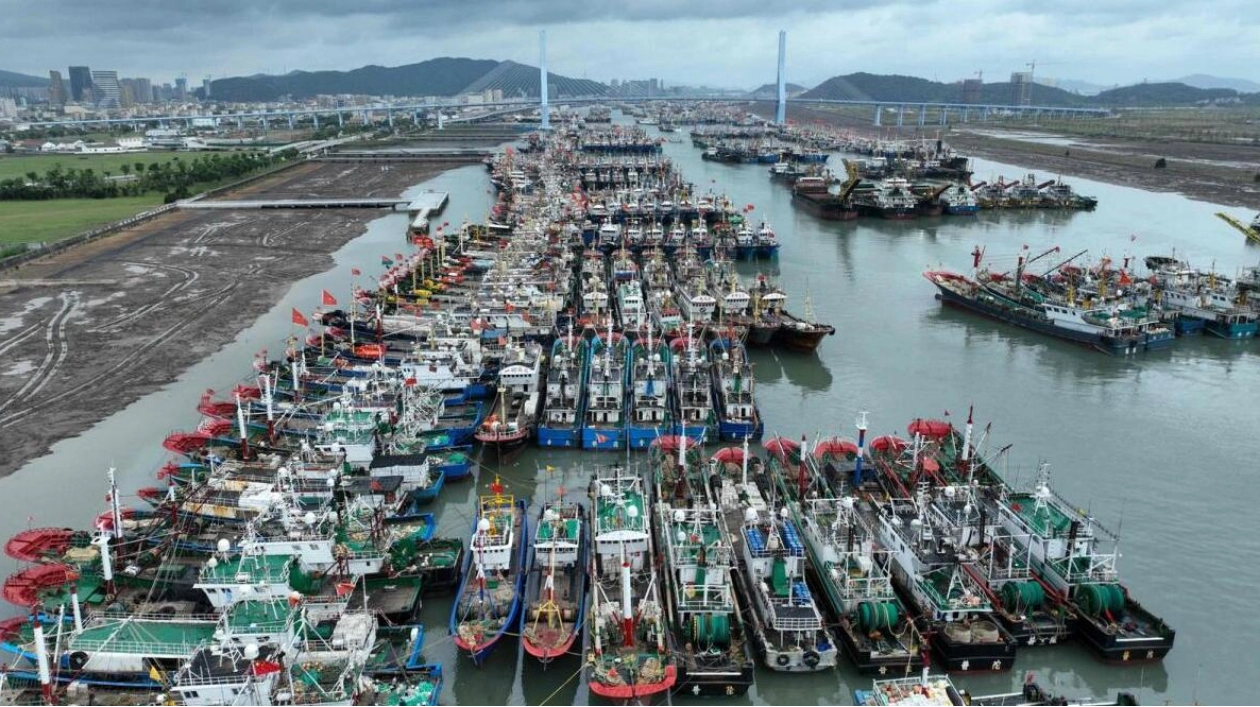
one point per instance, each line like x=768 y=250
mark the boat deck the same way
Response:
x=128 y=635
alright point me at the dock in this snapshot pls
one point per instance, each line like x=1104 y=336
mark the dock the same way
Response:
x=378 y=203
x=426 y=204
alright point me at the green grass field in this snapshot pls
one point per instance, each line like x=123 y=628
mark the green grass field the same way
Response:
x=15 y=166
x=52 y=220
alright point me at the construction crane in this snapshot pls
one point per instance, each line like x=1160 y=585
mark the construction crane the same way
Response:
x=1252 y=232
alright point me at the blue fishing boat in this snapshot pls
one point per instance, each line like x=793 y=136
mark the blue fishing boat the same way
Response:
x=694 y=416
x=733 y=389
x=489 y=597
x=649 y=383
x=604 y=404
x=559 y=426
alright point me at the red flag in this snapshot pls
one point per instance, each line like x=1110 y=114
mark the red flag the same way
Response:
x=600 y=438
x=329 y=300
x=355 y=271
x=265 y=667
x=1125 y=279
x=410 y=382
x=299 y=319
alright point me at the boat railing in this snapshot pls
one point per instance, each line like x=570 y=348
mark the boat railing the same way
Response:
x=188 y=678
x=704 y=597
x=136 y=646
x=795 y=623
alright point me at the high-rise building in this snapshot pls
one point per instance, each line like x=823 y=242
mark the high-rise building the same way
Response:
x=972 y=90
x=80 y=81
x=105 y=86
x=56 y=88
x=181 y=88
x=1021 y=88
x=205 y=87
x=142 y=91
x=126 y=93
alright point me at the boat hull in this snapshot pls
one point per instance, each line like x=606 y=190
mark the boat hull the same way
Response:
x=603 y=438
x=642 y=437
x=1011 y=315
x=561 y=437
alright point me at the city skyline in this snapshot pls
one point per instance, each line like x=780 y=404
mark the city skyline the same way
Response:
x=728 y=44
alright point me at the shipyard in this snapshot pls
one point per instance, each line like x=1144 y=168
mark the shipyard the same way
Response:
x=532 y=389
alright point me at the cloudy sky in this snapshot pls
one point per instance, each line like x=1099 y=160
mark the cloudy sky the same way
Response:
x=729 y=43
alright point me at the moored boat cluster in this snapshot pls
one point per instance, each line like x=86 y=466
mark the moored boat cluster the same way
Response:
x=283 y=556
x=1107 y=308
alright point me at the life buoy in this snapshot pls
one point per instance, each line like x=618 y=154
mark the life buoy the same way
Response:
x=783 y=660
x=812 y=658
x=78 y=659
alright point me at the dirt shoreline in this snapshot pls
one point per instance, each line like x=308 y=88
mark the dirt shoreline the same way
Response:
x=87 y=331
x=1219 y=174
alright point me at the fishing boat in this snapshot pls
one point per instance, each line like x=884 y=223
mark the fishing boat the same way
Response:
x=745 y=242
x=767 y=241
x=628 y=657
x=1204 y=302
x=938 y=690
x=648 y=382
x=876 y=631
x=785 y=621
x=953 y=609
x=734 y=387
x=1074 y=557
x=555 y=588
x=814 y=195
x=632 y=313
x=890 y=198
x=959 y=200
x=658 y=292
x=489 y=596
x=604 y=403
x=1115 y=328
x=703 y=612
x=694 y=412
x=559 y=425
x=515 y=415
x=802 y=334
x=691 y=293
x=729 y=293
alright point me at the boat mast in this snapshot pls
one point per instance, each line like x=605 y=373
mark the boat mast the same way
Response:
x=861 y=450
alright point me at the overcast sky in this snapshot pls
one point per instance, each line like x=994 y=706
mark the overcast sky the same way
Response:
x=729 y=43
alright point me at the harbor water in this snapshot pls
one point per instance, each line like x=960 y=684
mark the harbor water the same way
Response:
x=1161 y=448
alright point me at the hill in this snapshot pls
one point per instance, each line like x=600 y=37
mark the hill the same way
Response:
x=16 y=80
x=911 y=89
x=771 y=90
x=445 y=76
x=520 y=81
x=1163 y=94
x=1207 y=81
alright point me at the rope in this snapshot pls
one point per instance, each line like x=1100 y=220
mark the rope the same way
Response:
x=563 y=685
